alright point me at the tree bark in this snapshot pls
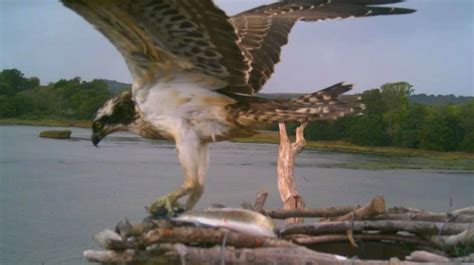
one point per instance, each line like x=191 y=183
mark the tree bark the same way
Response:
x=428 y=217
x=285 y=169
x=416 y=227
x=374 y=207
x=180 y=254
x=316 y=212
x=187 y=235
x=312 y=240
x=260 y=201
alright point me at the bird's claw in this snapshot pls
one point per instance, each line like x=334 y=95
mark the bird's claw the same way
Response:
x=164 y=207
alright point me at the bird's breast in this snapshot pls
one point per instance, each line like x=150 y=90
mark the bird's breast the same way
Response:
x=174 y=107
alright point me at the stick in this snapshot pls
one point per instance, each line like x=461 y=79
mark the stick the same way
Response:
x=312 y=240
x=260 y=201
x=465 y=238
x=211 y=236
x=424 y=256
x=321 y=212
x=429 y=217
x=383 y=226
x=374 y=207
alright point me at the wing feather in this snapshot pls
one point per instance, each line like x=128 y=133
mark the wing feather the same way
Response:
x=264 y=30
x=159 y=38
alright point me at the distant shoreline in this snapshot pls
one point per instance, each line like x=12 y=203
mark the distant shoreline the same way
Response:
x=269 y=137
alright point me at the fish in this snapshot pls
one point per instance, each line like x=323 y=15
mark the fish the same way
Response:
x=240 y=220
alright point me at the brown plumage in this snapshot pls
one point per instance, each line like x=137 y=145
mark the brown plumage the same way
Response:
x=195 y=71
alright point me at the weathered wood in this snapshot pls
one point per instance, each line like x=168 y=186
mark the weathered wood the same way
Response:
x=417 y=227
x=428 y=217
x=374 y=207
x=313 y=240
x=315 y=212
x=465 y=238
x=260 y=201
x=285 y=169
x=181 y=254
x=424 y=256
x=211 y=236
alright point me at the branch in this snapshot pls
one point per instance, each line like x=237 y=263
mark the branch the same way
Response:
x=429 y=217
x=374 y=207
x=189 y=235
x=465 y=238
x=300 y=142
x=312 y=240
x=180 y=254
x=416 y=227
x=260 y=201
x=315 y=212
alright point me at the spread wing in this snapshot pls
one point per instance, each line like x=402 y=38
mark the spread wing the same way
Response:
x=264 y=30
x=160 y=38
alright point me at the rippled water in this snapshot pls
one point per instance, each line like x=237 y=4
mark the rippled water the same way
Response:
x=55 y=194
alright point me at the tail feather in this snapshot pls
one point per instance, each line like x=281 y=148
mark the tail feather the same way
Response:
x=326 y=104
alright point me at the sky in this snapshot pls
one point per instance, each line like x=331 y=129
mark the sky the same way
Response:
x=431 y=49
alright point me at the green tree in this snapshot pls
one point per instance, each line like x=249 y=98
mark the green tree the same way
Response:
x=441 y=130
x=395 y=98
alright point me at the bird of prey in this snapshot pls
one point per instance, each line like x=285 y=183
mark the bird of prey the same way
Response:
x=196 y=72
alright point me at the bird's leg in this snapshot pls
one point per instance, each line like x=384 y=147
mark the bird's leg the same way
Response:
x=188 y=147
x=203 y=162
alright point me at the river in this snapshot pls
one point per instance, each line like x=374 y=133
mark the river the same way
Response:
x=55 y=194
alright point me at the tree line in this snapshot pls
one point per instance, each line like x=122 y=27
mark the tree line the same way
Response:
x=22 y=97
x=390 y=119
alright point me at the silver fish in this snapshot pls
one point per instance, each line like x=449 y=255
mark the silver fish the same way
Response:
x=241 y=220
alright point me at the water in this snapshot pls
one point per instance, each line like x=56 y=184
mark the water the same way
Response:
x=55 y=194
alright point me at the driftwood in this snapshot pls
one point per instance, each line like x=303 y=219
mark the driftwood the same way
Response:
x=416 y=227
x=163 y=242
x=312 y=240
x=260 y=201
x=374 y=207
x=181 y=254
x=211 y=236
x=285 y=169
x=429 y=217
x=315 y=212
x=465 y=238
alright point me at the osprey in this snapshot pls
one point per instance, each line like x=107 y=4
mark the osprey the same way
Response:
x=195 y=72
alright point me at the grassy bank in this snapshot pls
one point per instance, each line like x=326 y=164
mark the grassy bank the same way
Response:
x=273 y=137
x=48 y=122
x=429 y=159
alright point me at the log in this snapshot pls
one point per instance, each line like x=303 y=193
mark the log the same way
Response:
x=424 y=256
x=315 y=212
x=313 y=240
x=416 y=227
x=465 y=238
x=190 y=235
x=181 y=254
x=374 y=207
x=285 y=168
x=429 y=217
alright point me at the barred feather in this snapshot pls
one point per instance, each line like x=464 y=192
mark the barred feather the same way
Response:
x=326 y=104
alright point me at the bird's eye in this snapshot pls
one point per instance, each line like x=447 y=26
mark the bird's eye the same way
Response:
x=98 y=124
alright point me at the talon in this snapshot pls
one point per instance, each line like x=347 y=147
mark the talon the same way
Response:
x=163 y=206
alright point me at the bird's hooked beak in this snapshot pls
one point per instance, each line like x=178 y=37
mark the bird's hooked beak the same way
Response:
x=96 y=138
